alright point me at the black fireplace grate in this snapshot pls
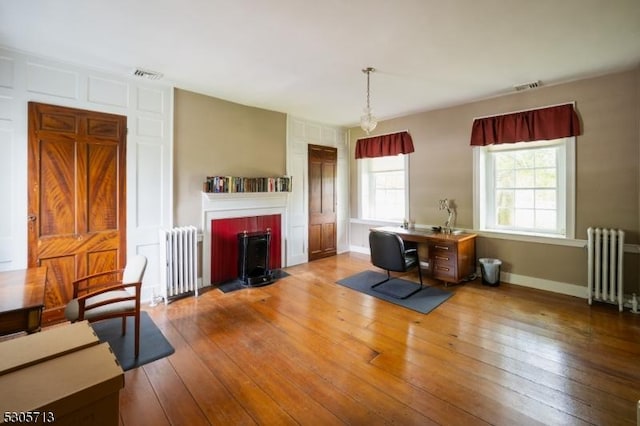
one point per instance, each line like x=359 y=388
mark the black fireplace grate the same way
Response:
x=253 y=257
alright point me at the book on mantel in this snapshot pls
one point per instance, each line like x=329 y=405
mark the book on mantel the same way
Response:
x=228 y=184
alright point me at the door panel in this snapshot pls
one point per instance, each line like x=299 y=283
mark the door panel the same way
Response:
x=329 y=188
x=103 y=196
x=77 y=194
x=59 y=272
x=315 y=187
x=329 y=237
x=315 y=242
x=322 y=201
x=57 y=158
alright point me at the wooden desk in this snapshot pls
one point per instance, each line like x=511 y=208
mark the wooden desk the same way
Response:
x=451 y=257
x=22 y=299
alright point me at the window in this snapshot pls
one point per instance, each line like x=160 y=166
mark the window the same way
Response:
x=526 y=187
x=383 y=188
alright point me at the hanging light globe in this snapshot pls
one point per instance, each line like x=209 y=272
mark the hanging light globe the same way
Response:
x=368 y=121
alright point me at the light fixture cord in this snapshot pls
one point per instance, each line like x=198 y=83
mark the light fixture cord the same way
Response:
x=368 y=92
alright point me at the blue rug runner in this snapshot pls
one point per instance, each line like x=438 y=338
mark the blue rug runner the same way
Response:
x=153 y=344
x=236 y=284
x=423 y=301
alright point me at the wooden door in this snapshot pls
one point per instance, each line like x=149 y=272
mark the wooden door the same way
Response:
x=76 y=184
x=322 y=201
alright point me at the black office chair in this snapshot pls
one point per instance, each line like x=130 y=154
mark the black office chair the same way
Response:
x=388 y=252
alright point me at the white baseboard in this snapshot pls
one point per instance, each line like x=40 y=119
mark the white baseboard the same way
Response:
x=543 y=284
x=359 y=249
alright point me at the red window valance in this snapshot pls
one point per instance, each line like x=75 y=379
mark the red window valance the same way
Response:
x=534 y=125
x=384 y=145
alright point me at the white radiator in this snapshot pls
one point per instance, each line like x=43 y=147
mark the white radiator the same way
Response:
x=605 y=248
x=178 y=262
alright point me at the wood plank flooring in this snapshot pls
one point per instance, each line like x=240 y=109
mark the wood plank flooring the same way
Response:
x=308 y=351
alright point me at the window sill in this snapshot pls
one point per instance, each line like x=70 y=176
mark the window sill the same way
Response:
x=532 y=238
x=376 y=222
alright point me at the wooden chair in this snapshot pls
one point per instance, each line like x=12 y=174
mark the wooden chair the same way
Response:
x=108 y=295
x=388 y=252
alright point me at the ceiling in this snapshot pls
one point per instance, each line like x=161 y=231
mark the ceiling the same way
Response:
x=305 y=57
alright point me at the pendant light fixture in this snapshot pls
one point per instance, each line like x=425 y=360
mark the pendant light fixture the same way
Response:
x=368 y=121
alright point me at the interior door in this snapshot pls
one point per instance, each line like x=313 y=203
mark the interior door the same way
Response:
x=322 y=201
x=76 y=199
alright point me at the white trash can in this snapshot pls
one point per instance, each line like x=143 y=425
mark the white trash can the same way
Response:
x=490 y=269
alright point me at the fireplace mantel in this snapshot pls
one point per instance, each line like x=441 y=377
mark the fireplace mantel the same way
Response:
x=239 y=204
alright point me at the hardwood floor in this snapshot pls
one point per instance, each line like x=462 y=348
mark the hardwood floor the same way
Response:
x=306 y=350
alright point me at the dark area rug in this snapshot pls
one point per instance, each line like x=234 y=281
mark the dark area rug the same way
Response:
x=236 y=284
x=423 y=301
x=153 y=344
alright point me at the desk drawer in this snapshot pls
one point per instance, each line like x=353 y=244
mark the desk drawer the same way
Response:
x=444 y=258
x=443 y=247
x=444 y=253
x=445 y=272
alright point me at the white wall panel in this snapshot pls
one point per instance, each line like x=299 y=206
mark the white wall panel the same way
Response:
x=329 y=136
x=297 y=241
x=108 y=92
x=6 y=184
x=6 y=105
x=296 y=129
x=8 y=193
x=149 y=186
x=342 y=201
x=150 y=100
x=359 y=237
x=313 y=133
x=52 y=81
x=149 y=127
x=152 y=273
x=6 y=72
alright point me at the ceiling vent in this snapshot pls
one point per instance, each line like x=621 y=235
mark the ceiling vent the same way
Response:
x=149 y=75
x=527 y=86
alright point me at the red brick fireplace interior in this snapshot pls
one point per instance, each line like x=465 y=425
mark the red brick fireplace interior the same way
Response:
x=224 y=243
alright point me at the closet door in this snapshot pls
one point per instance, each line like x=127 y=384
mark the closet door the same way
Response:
x=77 y=196
x=322 y=201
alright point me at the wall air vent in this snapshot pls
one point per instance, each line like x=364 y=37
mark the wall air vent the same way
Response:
x=149 y=75
x=527 y=86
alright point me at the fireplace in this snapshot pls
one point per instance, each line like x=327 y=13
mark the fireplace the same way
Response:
x=235 y=213
x=225 y=250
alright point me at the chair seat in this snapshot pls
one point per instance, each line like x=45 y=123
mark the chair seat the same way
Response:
x=71 y=312
x=410 y=260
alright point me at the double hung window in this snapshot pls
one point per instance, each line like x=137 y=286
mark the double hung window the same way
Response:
x=526 y=187
x=383 y=188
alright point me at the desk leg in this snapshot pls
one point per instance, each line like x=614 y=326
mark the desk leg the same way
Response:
x=34 y=320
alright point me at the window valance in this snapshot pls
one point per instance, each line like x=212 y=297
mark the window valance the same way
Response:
x=384 y=145
x=539 y=124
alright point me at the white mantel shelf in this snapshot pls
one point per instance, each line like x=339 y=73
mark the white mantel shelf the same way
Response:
x=213 y=199
x=225 y=205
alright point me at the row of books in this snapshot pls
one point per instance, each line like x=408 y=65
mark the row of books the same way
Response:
x=245 y=184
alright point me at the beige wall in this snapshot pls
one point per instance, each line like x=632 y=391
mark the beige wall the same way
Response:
x=216 y=137
x=607 y=176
